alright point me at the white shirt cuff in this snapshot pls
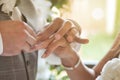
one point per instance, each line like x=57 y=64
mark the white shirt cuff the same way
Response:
x=1 y=45
x=52 y=59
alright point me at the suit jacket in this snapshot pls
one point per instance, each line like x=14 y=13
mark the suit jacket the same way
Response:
x=20 y=67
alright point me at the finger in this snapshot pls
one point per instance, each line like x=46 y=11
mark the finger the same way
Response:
x=80 y=40
x=31 y=40
x=73 y=37
x=63 y=30
x=52 y=28
x=30 y=30
x=26 y=47
x=42 y=45
x=76 y=25
x=53 y=46
x=77 y=39
x=117 y=40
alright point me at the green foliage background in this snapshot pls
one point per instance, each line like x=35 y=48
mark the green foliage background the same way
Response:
x=58 y=3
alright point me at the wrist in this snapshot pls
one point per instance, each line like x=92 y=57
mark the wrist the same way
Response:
x=70 y=61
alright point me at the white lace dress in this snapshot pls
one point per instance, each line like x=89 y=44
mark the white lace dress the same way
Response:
x=111 y=70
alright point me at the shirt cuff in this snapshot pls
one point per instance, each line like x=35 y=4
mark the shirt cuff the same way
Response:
x=1 y=45
x=52 y=59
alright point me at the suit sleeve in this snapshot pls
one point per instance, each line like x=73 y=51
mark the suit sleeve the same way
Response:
x=1 y=45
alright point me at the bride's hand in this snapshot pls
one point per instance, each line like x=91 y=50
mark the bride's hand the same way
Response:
x=57 y=35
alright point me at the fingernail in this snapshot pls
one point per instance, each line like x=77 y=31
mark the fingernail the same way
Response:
x=43 y=56
x=69 y=38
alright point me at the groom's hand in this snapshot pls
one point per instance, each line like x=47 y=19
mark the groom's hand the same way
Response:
x=17 y=36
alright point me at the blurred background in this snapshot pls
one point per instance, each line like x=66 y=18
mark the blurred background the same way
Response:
x=100 y=23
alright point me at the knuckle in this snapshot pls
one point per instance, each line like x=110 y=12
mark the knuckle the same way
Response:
x=22 y=24
x=68 y=23
x=17 y=23
x=24 y=34
x=57 y=22
x=58 y=19
x=50 y=48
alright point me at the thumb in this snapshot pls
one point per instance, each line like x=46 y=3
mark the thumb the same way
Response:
x=80 y=40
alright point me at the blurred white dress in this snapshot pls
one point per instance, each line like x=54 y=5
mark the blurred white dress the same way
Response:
x=111 y=70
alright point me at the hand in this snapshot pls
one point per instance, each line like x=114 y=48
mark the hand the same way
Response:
x=17 y=36
x=58 y=29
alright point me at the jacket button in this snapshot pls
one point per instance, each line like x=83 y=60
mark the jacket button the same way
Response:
x=27 y=62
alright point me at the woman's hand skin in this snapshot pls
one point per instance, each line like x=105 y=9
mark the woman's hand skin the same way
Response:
x=62 y=48
x=57 y=30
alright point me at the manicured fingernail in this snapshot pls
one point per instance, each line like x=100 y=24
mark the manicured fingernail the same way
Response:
x=44 y=55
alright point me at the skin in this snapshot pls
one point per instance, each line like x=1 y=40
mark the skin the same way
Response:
x=61 y=47
x=55 y=32
x=55 y=38
x=20 y=37
x=82 y=72
x=17 y=38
